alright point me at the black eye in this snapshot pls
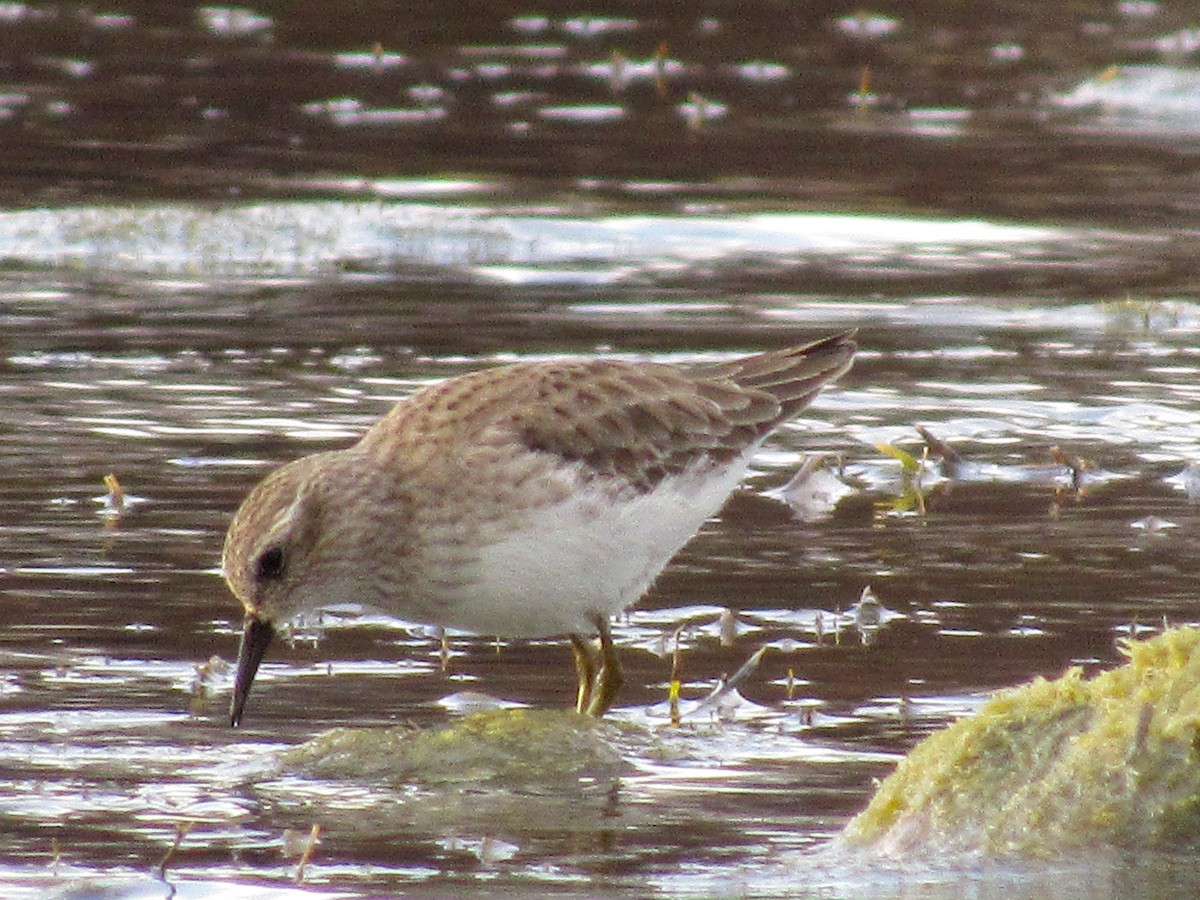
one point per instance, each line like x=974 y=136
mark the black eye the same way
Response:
x=270 y=564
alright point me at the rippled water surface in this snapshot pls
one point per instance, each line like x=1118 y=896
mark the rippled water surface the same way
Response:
x=194 y=298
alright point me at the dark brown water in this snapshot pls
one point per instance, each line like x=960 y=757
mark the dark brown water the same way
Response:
x=229 y=242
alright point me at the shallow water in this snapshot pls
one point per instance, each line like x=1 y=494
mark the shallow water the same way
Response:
x=1016 y=287
x=189 y=391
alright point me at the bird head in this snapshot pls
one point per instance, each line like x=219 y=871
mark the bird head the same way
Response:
x=270 y=560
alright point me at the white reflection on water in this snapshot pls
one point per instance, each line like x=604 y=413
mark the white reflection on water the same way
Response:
x=310 y=237
x=1159 y=98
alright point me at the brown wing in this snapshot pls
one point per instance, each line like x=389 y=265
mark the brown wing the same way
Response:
x=638 y=421
x=792 y=375
x=643 y=422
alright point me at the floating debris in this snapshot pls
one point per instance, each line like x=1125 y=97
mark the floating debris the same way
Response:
x=724 y=697
x=1153 y=525
x=728 y=627
x=488 y=850
x=208 y=682
x=1075 y=465
x=660 y=69
x=863 y=99
x=675 y=686
x=913 y=486
x=1065 y=471
x=114 y=500
x=823 y=624
x=868 y=616
x=301 y=844
x=952 y=462
x=909 y=464
x=1026 y=625
x=181 y=831
x=815 y=491
x=700 y=109
x=1187 y=481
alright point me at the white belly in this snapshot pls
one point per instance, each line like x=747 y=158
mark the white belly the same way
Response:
x=589 y=556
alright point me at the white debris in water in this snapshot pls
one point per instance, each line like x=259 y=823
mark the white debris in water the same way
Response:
x=815 y=491
x=1153 y=524
x=1187 y=481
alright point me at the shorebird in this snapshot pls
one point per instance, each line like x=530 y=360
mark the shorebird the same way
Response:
x=537 y=499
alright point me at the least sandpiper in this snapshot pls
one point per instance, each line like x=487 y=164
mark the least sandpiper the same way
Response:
x=533 y=500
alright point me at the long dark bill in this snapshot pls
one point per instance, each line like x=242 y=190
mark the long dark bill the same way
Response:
x=256 y=637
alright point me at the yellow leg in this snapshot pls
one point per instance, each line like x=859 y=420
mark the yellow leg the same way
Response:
x=585 y=668
x=608 y=678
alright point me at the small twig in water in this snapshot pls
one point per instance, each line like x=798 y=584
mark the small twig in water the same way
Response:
x=728 y=685
x=181 y=831
x=314 y=838
x=675 y=685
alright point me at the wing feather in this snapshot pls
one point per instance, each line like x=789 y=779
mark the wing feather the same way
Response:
x=637 y=422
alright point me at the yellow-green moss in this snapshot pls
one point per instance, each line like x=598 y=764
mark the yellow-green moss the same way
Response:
x=1054 y=765
x=501 y=748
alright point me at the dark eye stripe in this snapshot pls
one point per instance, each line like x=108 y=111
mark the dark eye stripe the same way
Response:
x=270 y=564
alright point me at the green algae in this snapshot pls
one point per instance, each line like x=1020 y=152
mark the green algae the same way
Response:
x=1056 y=765
x=501 y=748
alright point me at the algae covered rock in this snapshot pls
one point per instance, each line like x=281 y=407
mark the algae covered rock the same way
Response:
x=507 y=747
x=1055 y=765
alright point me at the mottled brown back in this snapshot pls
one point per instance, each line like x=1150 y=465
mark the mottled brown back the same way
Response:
x=637 y=422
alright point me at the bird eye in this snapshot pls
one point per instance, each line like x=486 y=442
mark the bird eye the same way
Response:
x=270 y=564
